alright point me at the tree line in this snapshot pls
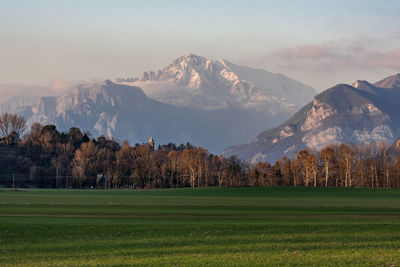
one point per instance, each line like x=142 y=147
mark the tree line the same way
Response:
x=73 y=159
x=52 y=158
x=373 y=165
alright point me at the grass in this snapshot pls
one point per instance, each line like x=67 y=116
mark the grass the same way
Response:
x=198 y=227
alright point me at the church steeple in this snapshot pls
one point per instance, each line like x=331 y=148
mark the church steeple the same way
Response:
x=151 y=142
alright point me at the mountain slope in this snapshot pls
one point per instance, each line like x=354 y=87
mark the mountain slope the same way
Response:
x=359 y=113
x=389 y=82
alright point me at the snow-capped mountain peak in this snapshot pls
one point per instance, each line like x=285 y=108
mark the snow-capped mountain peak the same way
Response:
x=193 y=80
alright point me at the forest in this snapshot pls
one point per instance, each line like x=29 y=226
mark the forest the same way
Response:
x=49 y=158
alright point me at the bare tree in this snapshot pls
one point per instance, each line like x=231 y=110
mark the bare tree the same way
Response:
x=5 y=125
x=172 y=163
x=327 y=155
x=12 y=127
x=85 y=163
x=18 y=125
x=309 y=164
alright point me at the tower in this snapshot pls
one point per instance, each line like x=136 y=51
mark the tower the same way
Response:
x=151 y=143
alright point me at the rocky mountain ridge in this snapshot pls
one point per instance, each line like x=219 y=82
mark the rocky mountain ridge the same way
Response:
x=362 y=112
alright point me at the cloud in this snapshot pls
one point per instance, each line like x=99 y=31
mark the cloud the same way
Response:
x=309 y=52
x=338 y=55
x=323 y=65
x=376 y=59
x=60 y=86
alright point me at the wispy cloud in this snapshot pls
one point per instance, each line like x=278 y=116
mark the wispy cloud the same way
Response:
x=329 y=63
x=338 y=55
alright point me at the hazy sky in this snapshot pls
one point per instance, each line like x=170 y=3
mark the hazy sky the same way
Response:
x=320 y=43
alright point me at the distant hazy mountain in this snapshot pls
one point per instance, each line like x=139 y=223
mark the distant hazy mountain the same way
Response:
x=362 y=112
x=17 y=104
x=194 y=81
x=14 y=97
x=125 y=112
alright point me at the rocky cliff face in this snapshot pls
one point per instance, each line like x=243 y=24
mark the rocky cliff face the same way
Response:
x=362 y=112
x=86 y=106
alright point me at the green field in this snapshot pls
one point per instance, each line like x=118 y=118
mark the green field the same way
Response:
x=199 y=227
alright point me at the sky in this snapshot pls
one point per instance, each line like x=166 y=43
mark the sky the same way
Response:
x=320 y=43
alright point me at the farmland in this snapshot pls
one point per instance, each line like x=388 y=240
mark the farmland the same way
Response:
x=201 y=226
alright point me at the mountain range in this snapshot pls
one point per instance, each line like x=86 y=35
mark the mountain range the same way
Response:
x=125 y=112
x=361 y=112
x=214 y=104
